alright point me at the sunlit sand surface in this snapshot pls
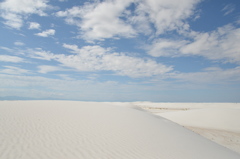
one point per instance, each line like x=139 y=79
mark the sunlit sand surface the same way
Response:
x=73 y=130
x=219 y=122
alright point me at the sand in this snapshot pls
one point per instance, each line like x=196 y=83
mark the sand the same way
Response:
x=74 y=130
x=219 y=122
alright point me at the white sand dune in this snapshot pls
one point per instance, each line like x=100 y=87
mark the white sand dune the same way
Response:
x=221 y=125
x=219 y=122
x=186 y=105
x=74 y=130
x=170 y=107
x=212 y=118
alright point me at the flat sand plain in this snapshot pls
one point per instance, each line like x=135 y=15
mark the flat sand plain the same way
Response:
x=90 y=130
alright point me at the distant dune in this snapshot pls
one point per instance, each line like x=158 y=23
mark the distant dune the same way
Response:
x=211 y=118
x=89 y=130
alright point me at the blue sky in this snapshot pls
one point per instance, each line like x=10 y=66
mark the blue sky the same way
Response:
x=120 y=50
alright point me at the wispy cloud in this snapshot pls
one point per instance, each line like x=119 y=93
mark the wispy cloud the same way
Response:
x=59 y=88
x=47 y=68
x=75 y=89
x=212 y=75
x=96 y=58
x=14 y=11
x=46 y=33
x=8 y=58
x=6 y=49
x=38 y=53
x=14 y=70
x=69 y=88
x=229 y=8
x=165 y=47
x=19 y=43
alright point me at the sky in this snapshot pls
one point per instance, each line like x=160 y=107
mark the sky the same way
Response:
x=120 y=50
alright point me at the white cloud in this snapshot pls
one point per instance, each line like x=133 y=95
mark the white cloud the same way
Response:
x=6 y=49
x=73 y=48
x=140 y=21
x=166 y=15
x=211 y=75
x=96 y=58
x=113 y=18
x=229 y=8
x=34 y=25
x=100 y=20
x=165 y=47
x=13 y=70
x=12 y=20
x=47 y=68
x=221 y=44
x=46 y=33
x=15 y=11
x=8 y=58
x=38 y=53
x=28 y=86
x=65 y=77
x=74 y=89
x=19 y=43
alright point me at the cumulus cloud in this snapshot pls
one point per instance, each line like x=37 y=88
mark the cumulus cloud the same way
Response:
x=113 y=18
x=221 y=44
x=166 y=15
x=100 y=20
x=34 y=25
x=46 y=33
x=15 y=11
x=8 y=58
